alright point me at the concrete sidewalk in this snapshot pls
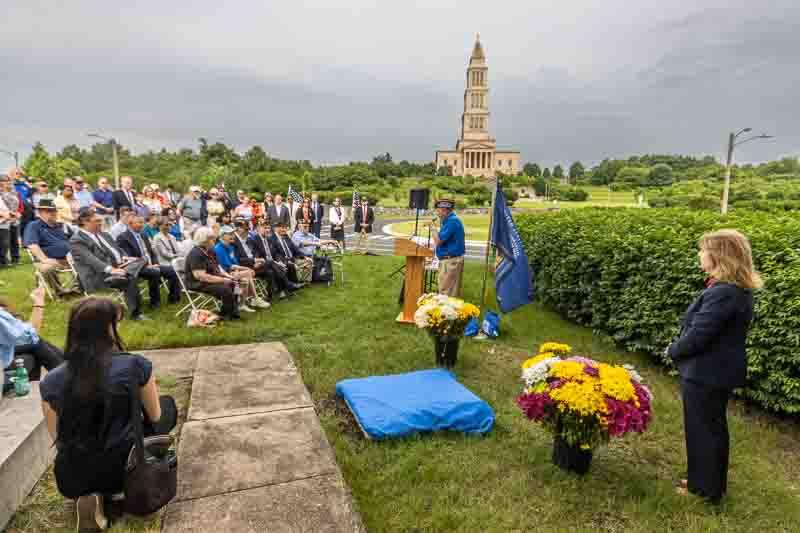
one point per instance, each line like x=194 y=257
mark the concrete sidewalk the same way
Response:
x=253 y=456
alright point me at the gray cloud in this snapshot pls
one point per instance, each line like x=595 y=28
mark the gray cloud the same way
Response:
x=309 y=80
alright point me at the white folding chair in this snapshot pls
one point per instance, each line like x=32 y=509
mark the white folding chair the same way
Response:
x=42 y=280
x=197 y=300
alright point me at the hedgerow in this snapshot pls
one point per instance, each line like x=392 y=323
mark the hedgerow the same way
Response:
x=631 y=273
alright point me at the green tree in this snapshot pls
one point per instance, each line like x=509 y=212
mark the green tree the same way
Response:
x=558 y=172
x=255 y=160
x=38 y=163
x=660 y=176
x=576 y=171
x=546 y=173
x=532 y=170
x=65 y=168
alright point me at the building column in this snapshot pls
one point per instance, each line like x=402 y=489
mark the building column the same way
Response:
x=483 y=159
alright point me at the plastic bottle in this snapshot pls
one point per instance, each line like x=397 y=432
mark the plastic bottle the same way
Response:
x=21 y=384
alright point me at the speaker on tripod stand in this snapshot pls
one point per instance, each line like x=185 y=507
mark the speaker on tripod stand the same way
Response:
x=418 y=198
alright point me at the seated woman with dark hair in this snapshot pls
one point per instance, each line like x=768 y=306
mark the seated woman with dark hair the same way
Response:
x=20 y=340
x=86 y=403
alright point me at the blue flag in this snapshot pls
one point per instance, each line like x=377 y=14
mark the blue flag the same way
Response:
x=512 y=276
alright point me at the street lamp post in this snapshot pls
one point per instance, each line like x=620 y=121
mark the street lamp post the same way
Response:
x=15 y=155
x=114 y=157
x=732 y=143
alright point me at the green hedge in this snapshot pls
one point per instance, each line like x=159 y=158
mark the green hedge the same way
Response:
x=631 y=273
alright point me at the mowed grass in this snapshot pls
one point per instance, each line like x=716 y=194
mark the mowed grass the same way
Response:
x=476 y=227
x=504 y=481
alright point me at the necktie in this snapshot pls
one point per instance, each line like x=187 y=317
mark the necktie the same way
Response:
x=171 y=246
x=286 y=249
x=109 y=248
x=245 y=247
x=129 y=194
x=142 y=248
x=365 y=215
x=267 y=251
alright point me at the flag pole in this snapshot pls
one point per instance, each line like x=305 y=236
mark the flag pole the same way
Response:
x=488 y=246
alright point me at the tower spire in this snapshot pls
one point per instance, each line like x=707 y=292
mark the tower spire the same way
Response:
x=477 y=50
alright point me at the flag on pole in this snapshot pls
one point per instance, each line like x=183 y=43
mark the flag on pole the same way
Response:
x=512 y=276
x=294 y=195
x=356 y=200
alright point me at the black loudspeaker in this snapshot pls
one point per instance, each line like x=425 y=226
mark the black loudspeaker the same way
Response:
x=418 y=198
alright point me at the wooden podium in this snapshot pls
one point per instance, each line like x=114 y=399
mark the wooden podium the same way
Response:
x=415 y=255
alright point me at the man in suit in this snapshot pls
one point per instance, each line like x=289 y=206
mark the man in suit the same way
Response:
x=262 y=245
x=363 y=217
x=101 y=264
x=287 y=253
x=124 y=197
x=319 y=212
x=136 y=244
x=278 y=213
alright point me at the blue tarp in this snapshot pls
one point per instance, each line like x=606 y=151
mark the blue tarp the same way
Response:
x=404 y=404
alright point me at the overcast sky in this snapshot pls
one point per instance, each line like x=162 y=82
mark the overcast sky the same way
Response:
x=334 y=81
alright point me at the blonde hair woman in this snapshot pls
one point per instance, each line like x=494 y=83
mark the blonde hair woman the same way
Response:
x=710 y=354
x=151 y=201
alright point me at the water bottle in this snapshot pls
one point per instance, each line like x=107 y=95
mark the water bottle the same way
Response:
x=21 y=384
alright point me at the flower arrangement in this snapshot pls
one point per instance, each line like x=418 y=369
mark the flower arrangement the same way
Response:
x=444 y=316
x=582 y=401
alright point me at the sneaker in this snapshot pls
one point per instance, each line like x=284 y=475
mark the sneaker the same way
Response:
x=259 y=302
x=90 y=514
x=282 y=295
x=246 y=309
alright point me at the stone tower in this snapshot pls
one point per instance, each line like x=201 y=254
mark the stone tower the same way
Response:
x=476 y=151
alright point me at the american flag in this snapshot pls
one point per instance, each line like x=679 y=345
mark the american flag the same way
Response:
x=356 y=200
x=294 y=195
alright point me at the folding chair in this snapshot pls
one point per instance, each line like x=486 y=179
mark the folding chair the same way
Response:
x=197 y=300
x=42 y=280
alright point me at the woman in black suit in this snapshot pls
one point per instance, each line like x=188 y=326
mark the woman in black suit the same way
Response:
x=710 y=354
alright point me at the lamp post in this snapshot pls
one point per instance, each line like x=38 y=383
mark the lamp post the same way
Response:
x=114 y=157
x=732 y=143
x=15 y=155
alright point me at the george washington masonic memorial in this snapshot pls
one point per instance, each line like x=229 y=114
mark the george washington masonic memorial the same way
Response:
x=476 y=152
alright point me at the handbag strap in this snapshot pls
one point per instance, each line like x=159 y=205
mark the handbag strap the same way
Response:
x=136 y=418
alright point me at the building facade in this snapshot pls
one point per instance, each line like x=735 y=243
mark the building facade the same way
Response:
x=476 y=152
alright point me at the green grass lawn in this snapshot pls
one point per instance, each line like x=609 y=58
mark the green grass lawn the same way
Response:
x=504 y=481
x=476 y=227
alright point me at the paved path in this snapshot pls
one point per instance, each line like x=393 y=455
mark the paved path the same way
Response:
x=381 y=241
x=253 y=456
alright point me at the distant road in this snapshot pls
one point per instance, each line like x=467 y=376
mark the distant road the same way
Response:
x=382 y=243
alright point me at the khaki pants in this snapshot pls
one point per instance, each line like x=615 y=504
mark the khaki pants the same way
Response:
x=362 y=244
x=51 y=272
x=450 y=271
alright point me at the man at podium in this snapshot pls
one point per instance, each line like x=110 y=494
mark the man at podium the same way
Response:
x=450 y=247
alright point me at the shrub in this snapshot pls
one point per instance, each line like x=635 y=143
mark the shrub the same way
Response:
x=631 y=273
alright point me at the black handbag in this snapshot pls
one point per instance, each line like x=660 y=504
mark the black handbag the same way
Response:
x=151 y=479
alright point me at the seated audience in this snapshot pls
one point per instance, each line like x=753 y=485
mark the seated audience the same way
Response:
x=82 y=193
x=174 y=223
x=135 y=244
x=307 y=242
x=227 y=260
x=298 y=266
x=48 y=242
x=87 y=409
x=20 y=340
x=165 y=245
x=102 y=265
x=121 y=226
x=151 y=201
x=261 y=247
x=42 y=192
x=151 y=226
x=139 y=207
x=203 y=274
x=244 y=210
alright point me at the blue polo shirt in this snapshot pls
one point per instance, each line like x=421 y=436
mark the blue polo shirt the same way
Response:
x=51 y=239
x=451 y=238
x=104 y=198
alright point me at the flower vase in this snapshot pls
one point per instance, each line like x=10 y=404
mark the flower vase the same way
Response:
x=571 y=458
x=446 y=351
